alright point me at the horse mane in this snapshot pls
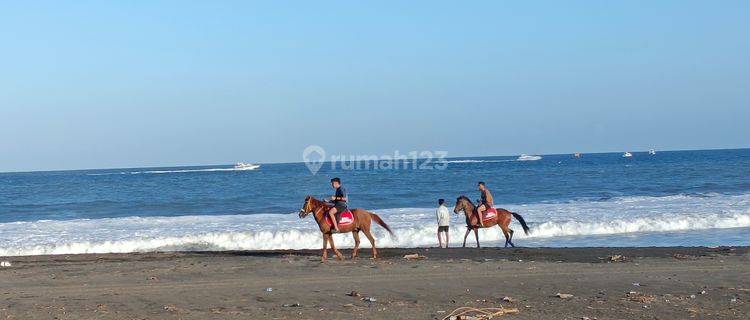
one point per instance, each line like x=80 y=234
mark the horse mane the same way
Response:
x=318 y=202
x=463 y=197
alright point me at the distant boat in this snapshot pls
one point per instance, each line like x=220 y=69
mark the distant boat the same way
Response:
x=627 y=155
x=577 y=155
x=525 y=157
x=246 y=166
x=652 y=152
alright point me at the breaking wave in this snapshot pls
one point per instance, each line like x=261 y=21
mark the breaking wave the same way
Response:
x=557 y=224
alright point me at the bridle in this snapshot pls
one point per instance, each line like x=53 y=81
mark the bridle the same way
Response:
x=308 y=208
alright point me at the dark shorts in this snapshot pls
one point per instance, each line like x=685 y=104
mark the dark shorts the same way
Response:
x=442 y=228
x=340 y=208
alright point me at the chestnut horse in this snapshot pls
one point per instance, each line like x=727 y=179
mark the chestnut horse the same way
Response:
x=502 y=219
x=362 y=220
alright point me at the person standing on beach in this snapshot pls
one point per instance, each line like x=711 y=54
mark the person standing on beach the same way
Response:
x=339 y=201
x=486 y=202
x=443 y=221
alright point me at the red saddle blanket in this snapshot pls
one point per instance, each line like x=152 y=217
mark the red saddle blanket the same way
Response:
x=490 y=214
x=344 y=218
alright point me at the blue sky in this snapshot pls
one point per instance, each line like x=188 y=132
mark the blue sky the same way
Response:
x=148 y=83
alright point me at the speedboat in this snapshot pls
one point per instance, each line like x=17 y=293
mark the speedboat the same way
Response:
x=577 y=155
x=525 y=157
x=246 y=166
x=652 y=152
x=627 y=155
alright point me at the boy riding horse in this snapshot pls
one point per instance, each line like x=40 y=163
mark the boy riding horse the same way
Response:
x=339 y=201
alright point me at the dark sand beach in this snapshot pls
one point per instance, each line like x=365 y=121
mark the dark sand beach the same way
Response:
x=648 y=283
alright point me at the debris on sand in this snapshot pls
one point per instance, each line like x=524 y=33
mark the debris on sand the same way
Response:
x=353 y=294
x=369 y=299
x=465 y=313
x=173 y=309
x=102 y=308
x=414 y=256
x=269 y=289
x=616 y=258
x=5 y=264
x=509 y=299
x=639 y=297
x=292 y=305
x=564 y=295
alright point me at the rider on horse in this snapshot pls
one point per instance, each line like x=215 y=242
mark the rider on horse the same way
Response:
x=487 y=202
x=339 y=201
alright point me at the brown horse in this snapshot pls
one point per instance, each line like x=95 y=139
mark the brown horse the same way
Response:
x=502 y=219
x=362 y=220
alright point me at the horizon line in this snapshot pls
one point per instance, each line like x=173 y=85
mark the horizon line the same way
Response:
x=295 y=162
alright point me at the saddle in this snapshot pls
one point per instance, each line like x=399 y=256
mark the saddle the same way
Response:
x=343 y=218
x=489 y=214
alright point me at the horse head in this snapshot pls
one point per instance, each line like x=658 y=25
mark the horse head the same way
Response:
x=307 y=207
x=463 y=204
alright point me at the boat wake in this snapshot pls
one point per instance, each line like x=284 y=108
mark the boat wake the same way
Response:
x=176 y=171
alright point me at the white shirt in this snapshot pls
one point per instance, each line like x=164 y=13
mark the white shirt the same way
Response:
x=443 y=216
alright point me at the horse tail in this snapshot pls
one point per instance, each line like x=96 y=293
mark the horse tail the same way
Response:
x=522 y=221
x=382 y=223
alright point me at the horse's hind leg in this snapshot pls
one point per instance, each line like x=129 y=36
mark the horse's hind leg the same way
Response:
x=507 y=236
x=476 y=235
x=372 y=242
x=355 y=233
x=468 y=229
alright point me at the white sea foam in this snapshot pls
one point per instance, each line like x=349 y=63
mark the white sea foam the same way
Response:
x=664 y=221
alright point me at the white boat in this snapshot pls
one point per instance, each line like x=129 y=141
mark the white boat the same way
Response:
x=627 y=155
x=652 y=152
x=246 y=166
x=525 y=157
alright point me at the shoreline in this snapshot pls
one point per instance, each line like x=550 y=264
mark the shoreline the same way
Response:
x=567 y=254
x=656 y=282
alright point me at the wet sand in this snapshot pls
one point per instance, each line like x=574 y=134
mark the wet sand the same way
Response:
x=650 y=283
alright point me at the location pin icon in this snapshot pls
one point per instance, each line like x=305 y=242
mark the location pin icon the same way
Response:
x=314 y=156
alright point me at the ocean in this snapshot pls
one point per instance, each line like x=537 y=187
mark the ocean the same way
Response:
x=676 y=198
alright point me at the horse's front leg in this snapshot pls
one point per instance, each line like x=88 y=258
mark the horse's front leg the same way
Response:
x=476 y=235
x=333 y=247
x=468 y=229
x=325 y=247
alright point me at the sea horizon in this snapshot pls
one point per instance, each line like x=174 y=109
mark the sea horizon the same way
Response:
x=328 y=161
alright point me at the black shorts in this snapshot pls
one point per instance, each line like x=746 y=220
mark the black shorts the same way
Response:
x=442 y=228
x=340 y=208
